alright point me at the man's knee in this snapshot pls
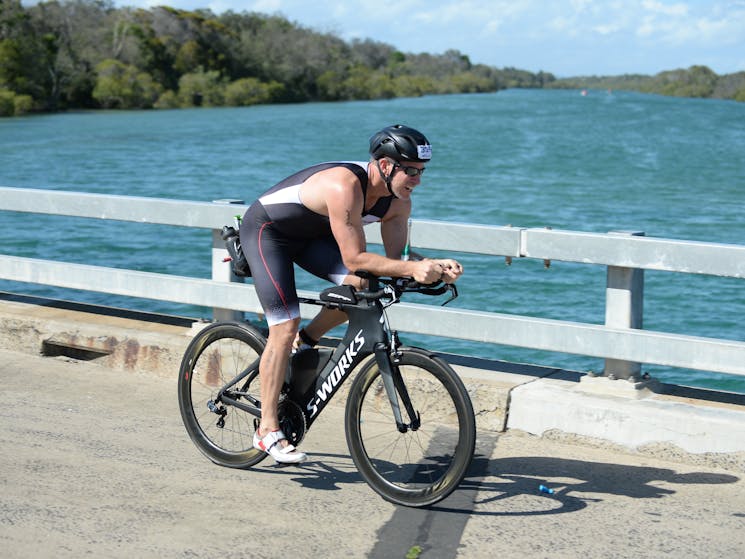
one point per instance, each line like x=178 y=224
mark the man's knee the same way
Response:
x=355 y=281
x=284 y=332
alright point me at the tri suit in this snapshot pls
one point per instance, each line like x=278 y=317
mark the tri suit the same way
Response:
x=278 y=230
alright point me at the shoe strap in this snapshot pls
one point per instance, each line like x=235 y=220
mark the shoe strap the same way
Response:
x=289 y=449
x=269 y=440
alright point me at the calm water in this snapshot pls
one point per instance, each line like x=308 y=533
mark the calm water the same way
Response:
x=670 y=167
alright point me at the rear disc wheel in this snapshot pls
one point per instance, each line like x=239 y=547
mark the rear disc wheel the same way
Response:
x=218 y=354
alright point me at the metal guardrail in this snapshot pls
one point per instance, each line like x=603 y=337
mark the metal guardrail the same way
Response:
x=620 y=341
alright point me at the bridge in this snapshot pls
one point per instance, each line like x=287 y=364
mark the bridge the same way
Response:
x=534 y=399
x=97 y=461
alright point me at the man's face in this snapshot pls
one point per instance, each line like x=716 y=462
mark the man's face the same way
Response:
x=406 y=176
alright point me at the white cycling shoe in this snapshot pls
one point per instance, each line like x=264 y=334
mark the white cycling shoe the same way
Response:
x=270 y=443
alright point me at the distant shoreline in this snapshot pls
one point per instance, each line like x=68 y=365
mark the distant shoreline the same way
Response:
x=56 y=57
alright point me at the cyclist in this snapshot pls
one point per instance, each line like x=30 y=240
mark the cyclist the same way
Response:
x=315 y=219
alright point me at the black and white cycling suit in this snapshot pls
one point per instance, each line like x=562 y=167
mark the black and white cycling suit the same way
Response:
x=278 y=230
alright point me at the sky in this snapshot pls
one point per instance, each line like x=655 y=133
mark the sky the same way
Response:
x=564 y=37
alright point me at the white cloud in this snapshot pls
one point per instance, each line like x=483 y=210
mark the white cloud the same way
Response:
x=560 y=23
x=580 y=5
x=567 y=37
x=672 y=10
x=723 y=26
x=266 y=5
x=607 y=29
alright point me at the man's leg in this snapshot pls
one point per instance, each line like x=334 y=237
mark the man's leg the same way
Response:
x=270 y=257
x=324 y=321
x=327 y=318
x=272 y=371
x=272 y=368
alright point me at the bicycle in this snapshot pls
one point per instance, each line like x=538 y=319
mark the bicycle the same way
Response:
x=409 y=420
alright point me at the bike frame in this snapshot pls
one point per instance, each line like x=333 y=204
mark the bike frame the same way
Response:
x=367 y=334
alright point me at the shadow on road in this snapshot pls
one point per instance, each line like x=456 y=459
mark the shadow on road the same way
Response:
x=501 y=479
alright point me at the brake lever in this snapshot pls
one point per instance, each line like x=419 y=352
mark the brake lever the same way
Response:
x=432 y=290
x=416 y=287
x=393 y=294
x=453 y=293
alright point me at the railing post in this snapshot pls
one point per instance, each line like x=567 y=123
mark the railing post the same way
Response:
x=221 y=270
x=624 y=305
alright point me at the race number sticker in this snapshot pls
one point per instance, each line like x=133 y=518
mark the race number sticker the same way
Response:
x=424 y=152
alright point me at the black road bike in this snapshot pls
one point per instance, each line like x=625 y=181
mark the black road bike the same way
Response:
x=409 y=421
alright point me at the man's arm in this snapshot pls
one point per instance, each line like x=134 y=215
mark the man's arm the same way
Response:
x=344 y=203
x=395 y=229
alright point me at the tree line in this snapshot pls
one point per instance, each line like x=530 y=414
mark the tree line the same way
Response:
x=696 y=81
x=85 y=54
x=88 y=54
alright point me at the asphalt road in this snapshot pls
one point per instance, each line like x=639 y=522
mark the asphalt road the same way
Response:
x=96 y=463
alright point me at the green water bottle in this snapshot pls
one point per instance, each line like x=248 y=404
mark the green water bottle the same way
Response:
x=405 y=254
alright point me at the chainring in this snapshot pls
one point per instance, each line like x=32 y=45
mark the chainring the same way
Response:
x=292 y=421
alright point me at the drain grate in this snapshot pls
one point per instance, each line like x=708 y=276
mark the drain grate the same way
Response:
x=52 y=348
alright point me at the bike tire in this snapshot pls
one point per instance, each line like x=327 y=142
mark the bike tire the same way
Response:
x=419 y=467
x=215 y=356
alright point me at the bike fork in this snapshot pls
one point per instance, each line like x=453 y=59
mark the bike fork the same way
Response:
x=395 y=387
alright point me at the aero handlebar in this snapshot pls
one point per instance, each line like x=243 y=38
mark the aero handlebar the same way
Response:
x=394 y=287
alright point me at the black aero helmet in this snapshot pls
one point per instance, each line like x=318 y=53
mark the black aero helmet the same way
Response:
x=401 y=143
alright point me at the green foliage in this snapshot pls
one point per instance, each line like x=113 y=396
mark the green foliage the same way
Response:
x=21 y=52
x=122 y=86
x=87 y=53
x=201 y=89
x=7 y=105
x=413 y=86
x=189 y=57
x=361 y=82
x=730 y=86
x=10 y=62
x=22 y=104
x=12 y=104
x=696 y=81
x=168 y=100
x=251 y=91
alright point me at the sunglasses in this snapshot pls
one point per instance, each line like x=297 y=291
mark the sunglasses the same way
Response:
x=410 y=171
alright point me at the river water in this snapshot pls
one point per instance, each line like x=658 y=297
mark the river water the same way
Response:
x=670 y=167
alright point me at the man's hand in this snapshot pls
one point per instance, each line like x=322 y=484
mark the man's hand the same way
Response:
x=430 y=271
x=451 y=270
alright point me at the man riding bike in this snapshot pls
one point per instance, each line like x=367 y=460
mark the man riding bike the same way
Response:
x=315 y=219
